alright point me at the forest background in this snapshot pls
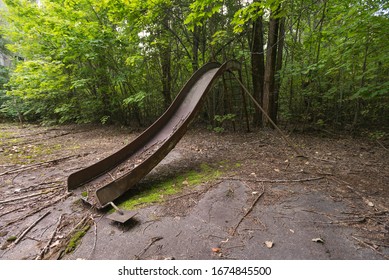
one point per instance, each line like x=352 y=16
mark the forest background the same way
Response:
x=321 y=64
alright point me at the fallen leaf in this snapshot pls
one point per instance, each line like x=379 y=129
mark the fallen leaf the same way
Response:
x=276 y=170
x=318 y=240
x=368 y=202
x=216 y=250
x=56 y=243
x=269 y=244
x=185 y=183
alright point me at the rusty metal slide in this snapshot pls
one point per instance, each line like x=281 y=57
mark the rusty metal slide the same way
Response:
x=108 y=179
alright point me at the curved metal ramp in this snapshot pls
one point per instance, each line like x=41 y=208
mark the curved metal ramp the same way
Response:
x=139 y=157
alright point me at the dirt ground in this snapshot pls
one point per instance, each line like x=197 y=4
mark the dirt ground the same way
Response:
x=266 y=203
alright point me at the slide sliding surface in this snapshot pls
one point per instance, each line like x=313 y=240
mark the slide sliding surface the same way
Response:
x=134 y=161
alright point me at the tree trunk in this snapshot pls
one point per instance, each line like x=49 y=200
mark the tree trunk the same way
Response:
x=195 y=48
x=296 y=40
x=166 y=59
x=319 y=42
x=364 y=68
x=280 y=48
x=257 y=66
x=269 y=81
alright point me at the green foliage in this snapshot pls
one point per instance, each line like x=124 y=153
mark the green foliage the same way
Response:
x=337 y=64
x=109 y=61
x=377 y=135
x=136 y=99
x=4 y=77
x=201 y=10
x=252 y=11
x=221 y=119
x=37 y=83
x=37 y=79
x=228 y=117
x=247 y=14
x=75 y=58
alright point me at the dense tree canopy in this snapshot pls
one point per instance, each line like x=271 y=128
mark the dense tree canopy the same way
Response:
x=316 y=62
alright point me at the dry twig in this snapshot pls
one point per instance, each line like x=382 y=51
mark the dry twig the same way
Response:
x=183 y=195
x=37 y=210
x=12 y=210
x=152 y=241
x=95 y=240
x=31 y=166
x=26 y=196
x=47 y=247
x=326 y=160
x=361 y=195
x=379 y=143
x=60 y=253
x=273 y=181
x=371 y=247
x=30 y=227
x=248 y=211
x=297 y=150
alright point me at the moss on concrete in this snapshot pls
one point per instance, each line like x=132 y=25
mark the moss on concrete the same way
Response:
x=76 y=238
x=157 y=192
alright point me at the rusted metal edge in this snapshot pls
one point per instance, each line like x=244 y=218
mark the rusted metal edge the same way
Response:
x=166 y=131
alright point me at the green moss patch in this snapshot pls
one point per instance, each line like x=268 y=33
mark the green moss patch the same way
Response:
x=11 y=238
x=27 y=154
x=6 y=138
x=6 y=134
x=76 y=238
x=158 y=191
